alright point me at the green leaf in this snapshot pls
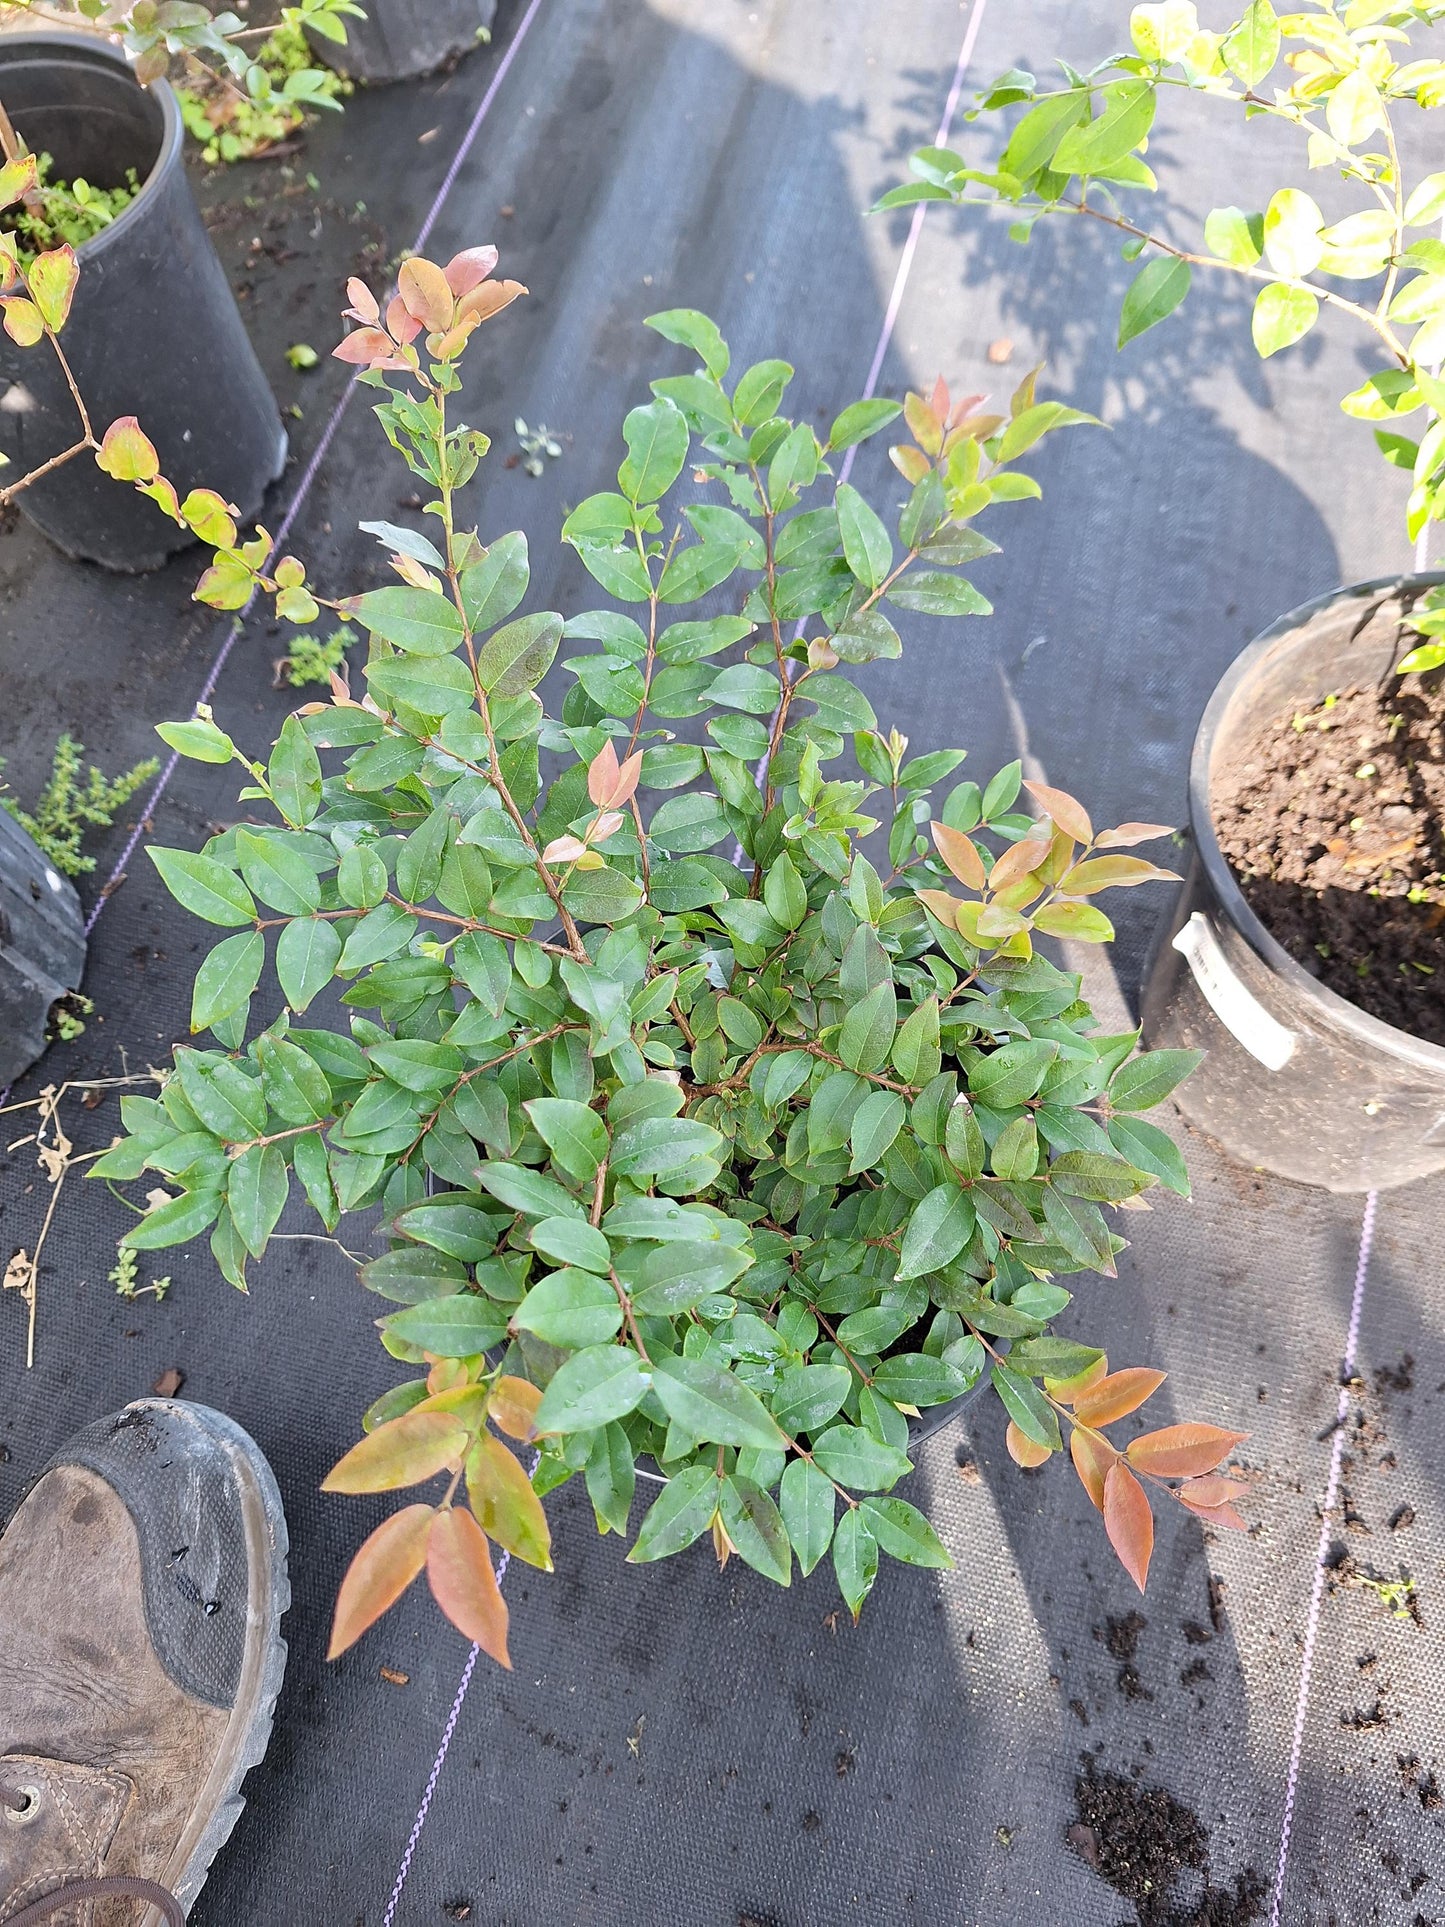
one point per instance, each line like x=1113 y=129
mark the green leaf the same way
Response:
x=611 y=1477
x=457 y=1327
x=1126 y=113
x=785 y=896
x=380 y=933
x=941 y=1225
x=226 y=979
x=295 y=774
x=1012 y=1074
x=680 y=1513
x=590 y=1388
x=855 y=1559
x=203 y=886
x=484 y=965
x=198 y=738
x=1292 y=237
x=709 y=1403
x=1282 y=316
x=693 y=330
x=1027 y=1407
x=431 y=685
x=656 y=436
x=867 y=547
x=522 y=1189
x=420 y=622
x=307 y=954
x=277 y=873
x=176 y=1223
x=877 y=1121
x=570 y=1308
x=759 y=391
x=256 y=1189
x=917 y=1378
x=856 y=423
x=604 y=895
x=572 y=1241
x=807 y=1396
x=1146 y=1080
x=916 y=1054
x=867 y=1033
x=1156 y=291
x=902 y=1530
x=452 y=1222
x=519 y=655
x=574 y=1134
x=224 y=1098
x=859 y=1461
x=1251 y=47
x=1235 y=236
x=657 y=1147
x=931 y=593
x=493 y=587
x=1149 y=1149
x=808 y=1504
x=673 y=1277
x=755 y=1527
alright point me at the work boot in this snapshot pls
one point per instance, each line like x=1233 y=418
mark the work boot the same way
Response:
x=142 y=1583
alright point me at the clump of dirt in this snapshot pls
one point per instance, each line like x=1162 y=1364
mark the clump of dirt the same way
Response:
x=1121 y=1638
x=1153 y=1850
x=1333 y=820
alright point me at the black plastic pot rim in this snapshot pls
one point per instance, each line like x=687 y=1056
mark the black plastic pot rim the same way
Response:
x=90 y=48
x=1341 y=1014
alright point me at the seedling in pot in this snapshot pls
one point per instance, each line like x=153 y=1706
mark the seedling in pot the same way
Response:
x=727 y=1167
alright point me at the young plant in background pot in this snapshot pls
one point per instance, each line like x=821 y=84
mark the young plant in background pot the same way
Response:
x=1307 y=950
x=730 y=1170
x=155 y=330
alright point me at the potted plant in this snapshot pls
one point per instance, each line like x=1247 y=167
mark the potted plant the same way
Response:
x=402 y=39
x=155 y=330
x=1307 y=949
x=732 y=1167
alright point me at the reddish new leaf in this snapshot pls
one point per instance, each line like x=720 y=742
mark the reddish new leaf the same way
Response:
x=379 y=1574
x=459 y=1572
x=1022 y=1449
x=943 y=906
x=490 y=298
x=426 y=294
x=960 y=853
x=1018 y=861
x=506 y=1507
x=514 y=1407
x=1130 y=833
x=1129 y=1522
x=367 y=347
x=1063 y=809
x=465 y=270
x=1112 y=873
x=404 y=1451
x=401 y=324
x=127 y=452
x=1068 y=1389
x=1182 y=1451
x=1092 y=1461
x=363 y=303
x=1118 y=1394
x=602 y=774
x=1213 y=1499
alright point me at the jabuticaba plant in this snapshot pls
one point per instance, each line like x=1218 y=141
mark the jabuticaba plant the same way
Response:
x=731 y=1166
x=1341 y=77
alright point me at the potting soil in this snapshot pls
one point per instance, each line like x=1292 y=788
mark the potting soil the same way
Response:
x=1022 y=1739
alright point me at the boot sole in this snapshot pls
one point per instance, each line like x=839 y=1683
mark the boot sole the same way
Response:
x=219 y=1801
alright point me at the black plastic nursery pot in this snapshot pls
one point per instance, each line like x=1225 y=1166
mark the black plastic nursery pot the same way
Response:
x=154 y=330
x=42 y=946
x=400 y=39
x=1295 y=1079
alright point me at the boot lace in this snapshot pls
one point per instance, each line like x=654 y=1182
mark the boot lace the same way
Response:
x=20 y=1804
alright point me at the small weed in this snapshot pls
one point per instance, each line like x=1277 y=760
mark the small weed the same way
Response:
x=65 y=211
x=230 y=127
x=69 y=1016
x=312 y=659
x=125 y=1276
x=536 y=442
x=69 y=804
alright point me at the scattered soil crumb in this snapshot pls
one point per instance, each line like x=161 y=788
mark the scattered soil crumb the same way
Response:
x=811 y=1821
x=1419 y=1780
x=1121 y=1637
x=457 y=1909
x=1365 y=1719
x=1154 y=1851
x=1396 y=1378
x=169 y=1382
x=394 y=1678
x=845 y=1761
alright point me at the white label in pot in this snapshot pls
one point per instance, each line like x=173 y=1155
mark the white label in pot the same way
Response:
x=1236 y=1007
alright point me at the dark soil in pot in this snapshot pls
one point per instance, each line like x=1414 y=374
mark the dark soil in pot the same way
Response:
x=1333 y=820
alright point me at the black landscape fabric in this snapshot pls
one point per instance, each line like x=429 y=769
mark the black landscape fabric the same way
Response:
x=1022 y=1739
